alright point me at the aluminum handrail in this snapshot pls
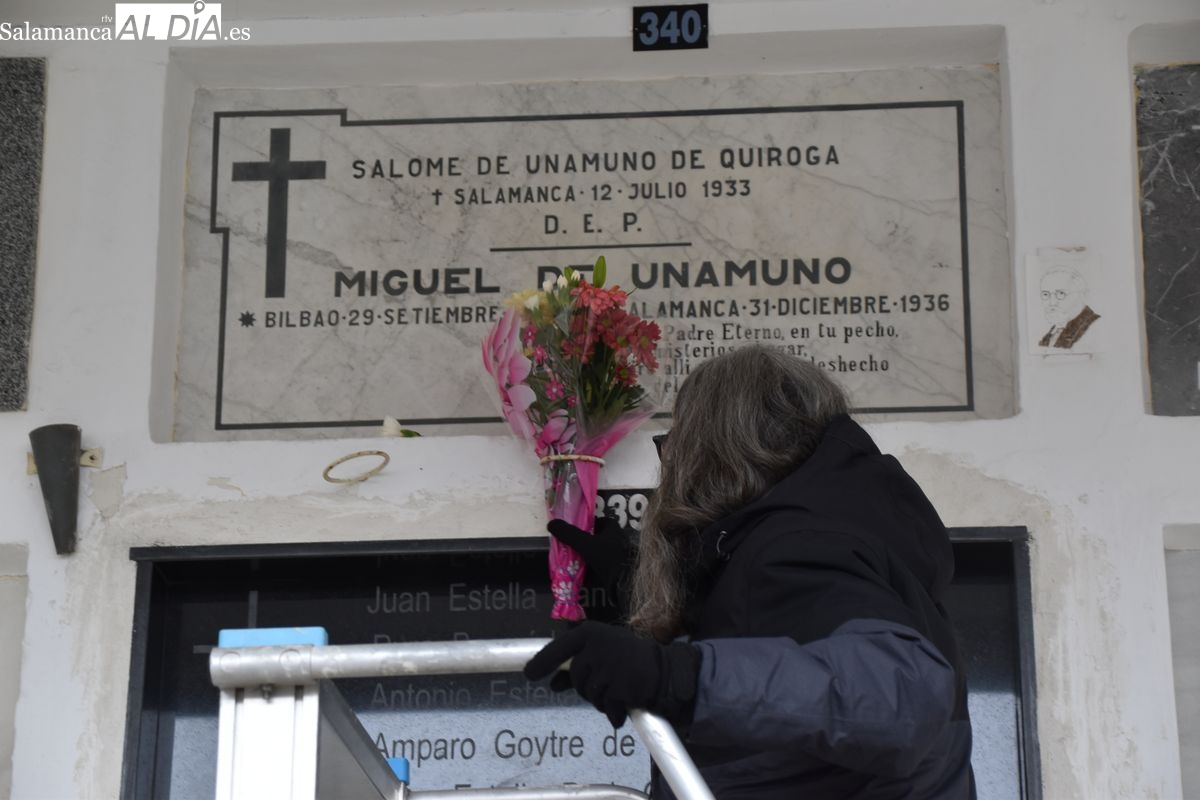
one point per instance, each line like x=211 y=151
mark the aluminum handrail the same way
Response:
x=305 y=664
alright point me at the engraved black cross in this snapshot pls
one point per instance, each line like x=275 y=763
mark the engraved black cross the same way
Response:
x=277 y=172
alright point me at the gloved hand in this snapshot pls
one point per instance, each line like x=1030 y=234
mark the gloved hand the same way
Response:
x=608 y=551
x=615 y=670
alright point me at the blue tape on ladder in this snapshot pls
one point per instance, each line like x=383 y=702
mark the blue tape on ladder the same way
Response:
x=262 y=637
x=399 y=766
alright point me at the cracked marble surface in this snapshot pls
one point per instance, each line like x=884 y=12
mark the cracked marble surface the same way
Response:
x=1168 y=125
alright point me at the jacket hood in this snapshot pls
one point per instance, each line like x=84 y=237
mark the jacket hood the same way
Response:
x=848 y=486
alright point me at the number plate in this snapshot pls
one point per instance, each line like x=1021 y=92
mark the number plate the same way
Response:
x=670 y=27
x=626 y=506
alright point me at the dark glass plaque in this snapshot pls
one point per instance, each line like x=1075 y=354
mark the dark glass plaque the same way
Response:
x=485 y=730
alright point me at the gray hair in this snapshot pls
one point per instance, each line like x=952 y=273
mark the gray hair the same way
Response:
x=743 y=421
x=1074 y=279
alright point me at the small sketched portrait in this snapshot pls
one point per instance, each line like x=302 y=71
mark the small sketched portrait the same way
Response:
x=1064 y=304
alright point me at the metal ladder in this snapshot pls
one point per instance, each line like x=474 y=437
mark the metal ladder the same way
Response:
x=286 y=733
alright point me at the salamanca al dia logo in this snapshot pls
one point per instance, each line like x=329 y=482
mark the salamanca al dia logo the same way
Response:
x=192 y=22
x=136 y=22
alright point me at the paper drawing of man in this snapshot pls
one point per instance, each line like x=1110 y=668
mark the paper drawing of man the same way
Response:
x=1064 y=303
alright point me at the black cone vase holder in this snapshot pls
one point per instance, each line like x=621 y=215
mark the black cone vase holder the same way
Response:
x=56 y=451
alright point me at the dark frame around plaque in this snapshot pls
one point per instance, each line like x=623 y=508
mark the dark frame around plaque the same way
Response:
x=346 y=121
x=145 y=761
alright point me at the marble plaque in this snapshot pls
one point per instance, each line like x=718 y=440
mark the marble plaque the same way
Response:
x=1168 y=123
x=22 y=108
x=1182 y=553
x=346 y=250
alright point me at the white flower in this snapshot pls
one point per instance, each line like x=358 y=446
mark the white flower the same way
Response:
x=533 y=301
x=562 y=281
x=548 y=285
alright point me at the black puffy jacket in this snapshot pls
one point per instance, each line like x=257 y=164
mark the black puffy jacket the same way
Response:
x=829 y=668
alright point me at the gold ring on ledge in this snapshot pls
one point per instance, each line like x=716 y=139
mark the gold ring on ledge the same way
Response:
x=362 y=476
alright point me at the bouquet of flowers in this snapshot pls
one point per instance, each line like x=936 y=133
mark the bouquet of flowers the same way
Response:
x=566 y=360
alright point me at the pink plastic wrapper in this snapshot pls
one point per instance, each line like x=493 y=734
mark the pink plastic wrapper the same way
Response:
x=566 y=361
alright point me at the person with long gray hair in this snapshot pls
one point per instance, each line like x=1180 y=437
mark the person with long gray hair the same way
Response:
x=785 y=606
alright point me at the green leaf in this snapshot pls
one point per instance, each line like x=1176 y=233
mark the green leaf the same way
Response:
x=599 y=272
x=569 y=274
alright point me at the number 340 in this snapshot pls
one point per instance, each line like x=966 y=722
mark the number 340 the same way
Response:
x=655 y=26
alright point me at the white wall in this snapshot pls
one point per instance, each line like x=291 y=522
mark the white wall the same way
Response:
x=1083 y=466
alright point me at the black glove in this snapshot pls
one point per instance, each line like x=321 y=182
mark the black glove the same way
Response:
x=615 y=670
x=608 y=551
